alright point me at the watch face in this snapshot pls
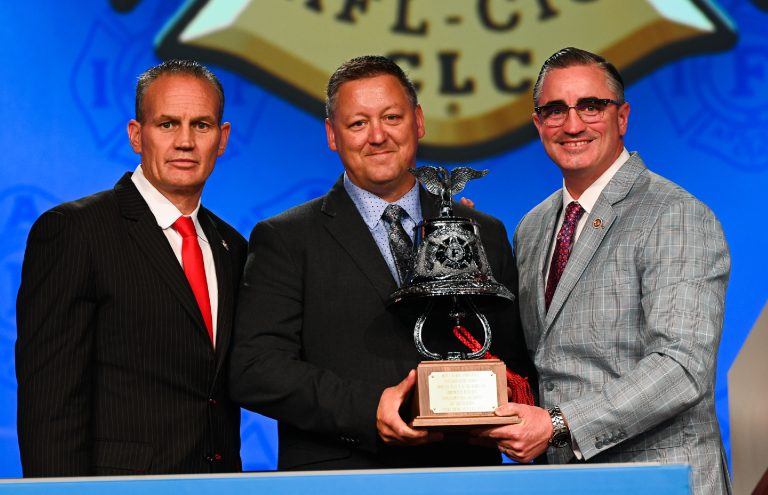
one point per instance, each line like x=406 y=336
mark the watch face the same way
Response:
x=561 y=439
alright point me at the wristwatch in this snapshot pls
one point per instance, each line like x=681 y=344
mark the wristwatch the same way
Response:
x=561 y=435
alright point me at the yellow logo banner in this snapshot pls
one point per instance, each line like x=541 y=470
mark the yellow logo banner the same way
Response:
x=474 y=61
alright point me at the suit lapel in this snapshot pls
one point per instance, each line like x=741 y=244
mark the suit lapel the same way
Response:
x=429 y=204
x=348 y=228
x=224 y=276
x=543 y=245
x=152 y=242
x=596 y=228
x=590 y=239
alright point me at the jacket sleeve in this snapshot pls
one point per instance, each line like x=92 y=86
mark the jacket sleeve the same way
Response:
x=55 y=317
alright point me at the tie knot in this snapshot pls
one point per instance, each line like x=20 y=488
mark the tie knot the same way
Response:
x=184 y=226
x=393 y=213
x=573 y=212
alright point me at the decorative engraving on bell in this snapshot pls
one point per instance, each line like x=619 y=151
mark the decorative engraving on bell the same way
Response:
x=450 y=262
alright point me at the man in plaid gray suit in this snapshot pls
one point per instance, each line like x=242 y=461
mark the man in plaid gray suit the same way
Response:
x=621 y=295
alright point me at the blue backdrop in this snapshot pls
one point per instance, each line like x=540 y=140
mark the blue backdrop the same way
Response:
x=699 y=118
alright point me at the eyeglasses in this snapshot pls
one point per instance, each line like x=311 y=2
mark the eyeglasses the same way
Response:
x=589 y=110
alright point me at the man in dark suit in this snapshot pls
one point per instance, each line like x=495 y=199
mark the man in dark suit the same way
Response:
x=123 y=324
x=314 y=345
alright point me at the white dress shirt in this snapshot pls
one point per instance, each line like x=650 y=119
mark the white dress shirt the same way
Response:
x=166 y=214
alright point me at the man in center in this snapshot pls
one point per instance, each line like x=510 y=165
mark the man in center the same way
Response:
x=315 y=346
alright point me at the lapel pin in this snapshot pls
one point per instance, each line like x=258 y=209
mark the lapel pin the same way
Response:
x=224 y=243
x=597 y=223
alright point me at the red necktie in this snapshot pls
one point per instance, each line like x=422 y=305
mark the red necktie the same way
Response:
x=573 y=213
x=194 y=269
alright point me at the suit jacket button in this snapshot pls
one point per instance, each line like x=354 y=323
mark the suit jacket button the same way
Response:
x=549 y=386
x=598 y=444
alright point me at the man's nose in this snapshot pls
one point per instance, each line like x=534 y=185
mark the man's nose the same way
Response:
x=573 y=123
x=185 y=137
x=377 y=133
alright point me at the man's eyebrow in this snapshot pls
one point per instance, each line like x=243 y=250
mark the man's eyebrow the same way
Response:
x=164 y=117
x=587 y=98
x=205 y=118
x=175 y=118
x=553 y=102
x=580 y=100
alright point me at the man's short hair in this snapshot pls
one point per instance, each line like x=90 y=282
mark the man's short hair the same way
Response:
x=176 y=67
x=365 y=67
x=570 y=57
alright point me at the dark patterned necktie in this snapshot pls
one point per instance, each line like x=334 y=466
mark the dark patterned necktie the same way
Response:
x=573 y=213
x=399 y=242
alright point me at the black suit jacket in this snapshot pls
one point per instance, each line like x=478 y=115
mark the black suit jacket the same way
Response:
x=315 y=346
x=116 y=373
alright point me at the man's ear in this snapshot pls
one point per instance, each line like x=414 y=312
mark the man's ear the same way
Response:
x=330 y=135
x=226 y=127
x=623 y=116
x=134 y=135
x=420 y=127
x=536 y=121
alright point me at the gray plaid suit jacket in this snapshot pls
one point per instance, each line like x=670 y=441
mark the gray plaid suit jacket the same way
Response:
x=628 y=347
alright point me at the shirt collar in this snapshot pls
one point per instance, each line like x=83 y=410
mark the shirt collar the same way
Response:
x=161 y=207
x=371 y=207
x=589 y=197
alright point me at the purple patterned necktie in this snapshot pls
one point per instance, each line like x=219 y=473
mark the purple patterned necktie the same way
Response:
x=573 y=213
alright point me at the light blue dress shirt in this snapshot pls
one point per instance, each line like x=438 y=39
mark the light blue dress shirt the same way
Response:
x=371 y=207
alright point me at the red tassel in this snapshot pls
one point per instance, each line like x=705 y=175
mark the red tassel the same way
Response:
x=519 y=386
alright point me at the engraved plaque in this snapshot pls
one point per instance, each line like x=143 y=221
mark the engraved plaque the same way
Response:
x=460 y=394
x=462 y=391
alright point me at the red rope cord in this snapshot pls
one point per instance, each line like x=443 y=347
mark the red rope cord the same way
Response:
x=521 y=389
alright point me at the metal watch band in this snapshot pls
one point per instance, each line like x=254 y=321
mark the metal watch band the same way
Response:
x=561 y=435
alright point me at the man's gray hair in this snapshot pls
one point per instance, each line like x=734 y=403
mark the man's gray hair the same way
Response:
x=176 y=67
x=570 y=57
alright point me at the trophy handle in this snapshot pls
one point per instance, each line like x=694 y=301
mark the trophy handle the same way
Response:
x=486 y=330
x=417 y=334
x=478 y=354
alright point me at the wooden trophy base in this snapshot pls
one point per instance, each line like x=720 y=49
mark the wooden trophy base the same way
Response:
x=460 y=394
